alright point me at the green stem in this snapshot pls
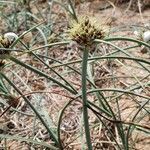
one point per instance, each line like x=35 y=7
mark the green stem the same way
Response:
x=84 y=98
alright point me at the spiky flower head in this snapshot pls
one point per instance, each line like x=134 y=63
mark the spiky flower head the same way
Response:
x=86 y=30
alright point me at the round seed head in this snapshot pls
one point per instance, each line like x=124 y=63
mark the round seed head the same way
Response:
x=10 y=36
x=5 y=42
x=146 y=36
x=86 y=30
x=27 y=37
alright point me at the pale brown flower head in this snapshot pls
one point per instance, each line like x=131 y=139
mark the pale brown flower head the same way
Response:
x=86 y=30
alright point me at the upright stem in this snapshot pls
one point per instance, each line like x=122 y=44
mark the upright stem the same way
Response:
x=84 y=98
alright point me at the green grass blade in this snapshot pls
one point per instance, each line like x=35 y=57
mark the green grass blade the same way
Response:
x=22 y=139
x=32 y=107
x=41 y=74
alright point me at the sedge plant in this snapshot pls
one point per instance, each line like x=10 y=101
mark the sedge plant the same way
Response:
x=86 y=32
